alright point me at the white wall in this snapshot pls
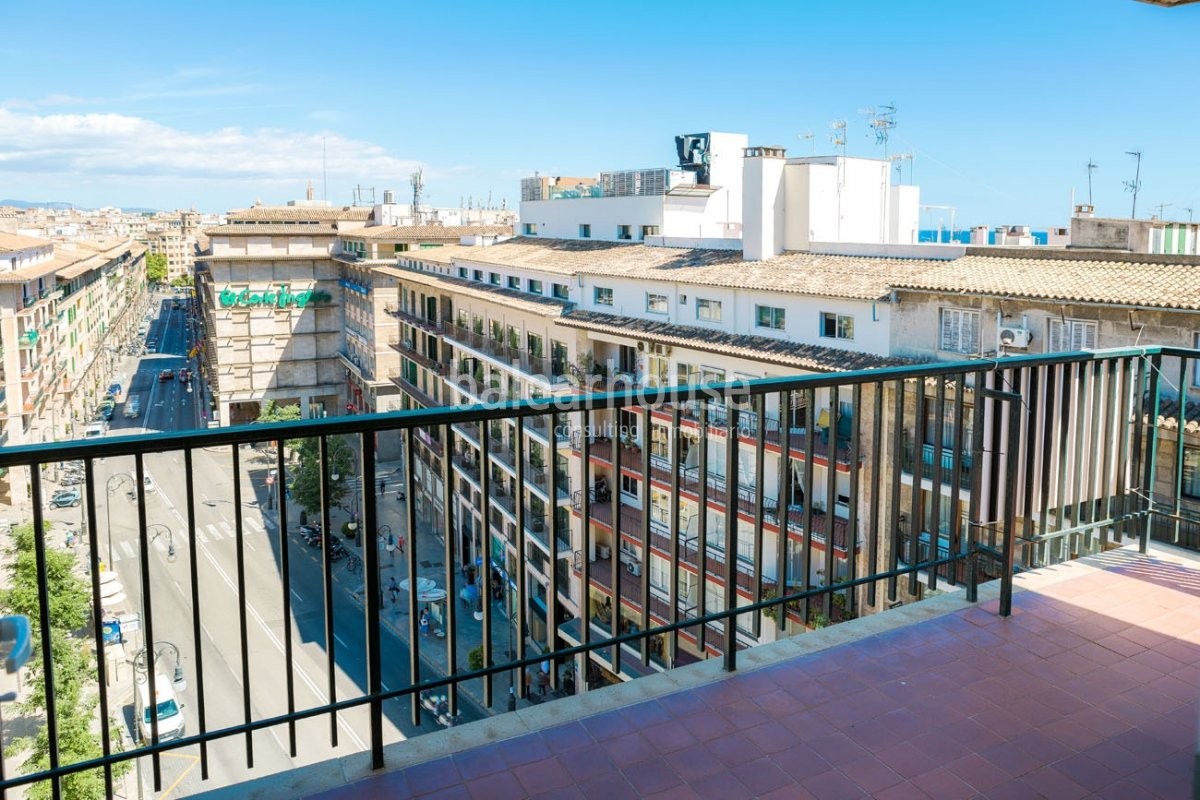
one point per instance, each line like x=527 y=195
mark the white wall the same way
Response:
x=905 y=215
x=560 y=219
x=763 y=207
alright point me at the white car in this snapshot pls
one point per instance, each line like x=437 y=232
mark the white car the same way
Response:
x=147 y=484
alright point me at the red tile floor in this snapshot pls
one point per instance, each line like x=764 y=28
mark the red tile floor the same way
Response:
x=1088 y=690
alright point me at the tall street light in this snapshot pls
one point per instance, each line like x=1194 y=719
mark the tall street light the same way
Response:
x=118 y=477
x=159 y=529
x=389 y=542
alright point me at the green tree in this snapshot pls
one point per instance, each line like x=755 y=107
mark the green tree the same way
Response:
x=156 y=267
x=74 y=666
x=273 y=412
x=306 y=487
x=181 y=280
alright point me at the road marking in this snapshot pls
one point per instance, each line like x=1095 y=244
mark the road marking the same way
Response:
x=201 y=535
x=338 y=639
x=194 y=759
x=214 y=532
x=227 y=527
x=128 y=548
x=296 y=595
x=160 y=545
x=254 y=523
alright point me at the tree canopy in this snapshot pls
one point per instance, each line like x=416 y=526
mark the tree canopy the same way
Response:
x=156 y=267
x=306 y=487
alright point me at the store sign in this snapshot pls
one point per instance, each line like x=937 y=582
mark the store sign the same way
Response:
x=282 y=297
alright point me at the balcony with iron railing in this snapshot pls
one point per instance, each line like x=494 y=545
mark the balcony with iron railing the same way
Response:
x=428 y=325
x=407 y=349
x=534 y=365
x=1053 y=677
x=946 y=469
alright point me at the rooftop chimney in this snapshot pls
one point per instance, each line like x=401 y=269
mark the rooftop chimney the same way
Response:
x=762 y=202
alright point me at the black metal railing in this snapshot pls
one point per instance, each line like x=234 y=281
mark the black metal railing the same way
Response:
x=1121 y=485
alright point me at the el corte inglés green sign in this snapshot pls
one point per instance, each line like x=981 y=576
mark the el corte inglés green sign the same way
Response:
x=277 y=298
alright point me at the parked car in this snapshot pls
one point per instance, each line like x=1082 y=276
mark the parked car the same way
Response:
x=67 y=498
x=147 y=484
x=133 y=407
x=106 y=412
x=185 y=375
x=166 y=375
x=115 y=389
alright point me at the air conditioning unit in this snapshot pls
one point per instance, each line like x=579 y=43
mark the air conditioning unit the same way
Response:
x=641 y=346
x=1014 y=338
x=635 y=568
x=660 y=349
x=603 y=552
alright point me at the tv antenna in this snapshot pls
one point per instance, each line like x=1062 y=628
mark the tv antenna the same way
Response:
x=1160 y=208
x=883 y=120
x=838 y=137
x=360 y=195
x=1135 y=184
x=418 y=183
x=808 y=136
x=1189 y=212
x=898 y=164
x=1091 y=167
x=324 y=172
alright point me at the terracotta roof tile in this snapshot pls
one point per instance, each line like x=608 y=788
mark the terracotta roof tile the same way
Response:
x=261 y=229
x=522 y=301
x=755 y=348
x=410 y=232
x=317 y=214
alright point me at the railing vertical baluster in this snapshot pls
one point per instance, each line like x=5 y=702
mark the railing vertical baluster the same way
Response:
x=1052 y=421
x=1079 y=417
x=1107 y=377
x=893 y=530
x=449 y=540
x=485 y=562
x=810 y=468
x=1122 y=409
x=89 y=495
x=285 y=575
x=408 y=442
x=644 y=533
x=729 y=625
x=855 y=476
x=197 y=631
x=516 y=616
x=1095 y=449
x=614 y=508
x=936 y=480
x=139 y=472
x=1181 y=426
x=873 y=515
x=1066 y=420
x=368 y=537
x=957 y=442
x=974 y=503
x=243 y=626
x=916 y=509
x=702 y=527
x=831 y=504
x=327 y=588
x=1010 y=504
x=676 y=440
x=1151 y=452
x=39 y=551
x=1030 y=392
x=759 y=410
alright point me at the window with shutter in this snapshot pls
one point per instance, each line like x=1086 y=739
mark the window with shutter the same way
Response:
x=959 y=330
x=1070 y=335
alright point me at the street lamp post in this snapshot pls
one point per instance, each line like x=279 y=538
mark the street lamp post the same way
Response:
x=512 y=695
x=159 y=529
x=389 y=542
x=118 y=477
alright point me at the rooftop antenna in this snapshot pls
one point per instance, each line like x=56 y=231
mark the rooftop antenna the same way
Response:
x=808 y=136
x=418 y=183
x=324 y=173
x=1189 y=212
x=838 y=137
x=1135 y=184
x=898 y=160
x=1091 y=167
x=1160 y=208
x=883 y=120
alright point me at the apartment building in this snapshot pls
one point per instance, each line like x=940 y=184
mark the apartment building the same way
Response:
x=65 y=311
x=177 y=238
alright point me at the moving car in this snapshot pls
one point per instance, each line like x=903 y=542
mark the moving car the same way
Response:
x=185 y=375
x=166 y=375
x=133 y=407
x=66 y=498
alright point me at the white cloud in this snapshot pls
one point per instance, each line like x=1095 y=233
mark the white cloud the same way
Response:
x=111 y=145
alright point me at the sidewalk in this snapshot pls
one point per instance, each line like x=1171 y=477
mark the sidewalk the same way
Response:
x=430 y=551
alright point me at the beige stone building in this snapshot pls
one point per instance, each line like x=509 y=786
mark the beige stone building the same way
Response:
x=66 y=309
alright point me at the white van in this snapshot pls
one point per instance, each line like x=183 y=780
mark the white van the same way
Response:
x=94 y=431
x=170 y=710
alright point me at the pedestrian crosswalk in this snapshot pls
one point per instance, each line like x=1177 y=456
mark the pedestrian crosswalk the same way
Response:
x=205 y=534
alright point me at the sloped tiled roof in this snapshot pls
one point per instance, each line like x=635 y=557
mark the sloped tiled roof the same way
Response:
x=286 y=213
x=854 y=277
x=521 y=301
x=1129 y=282
x=11 y=241
x=754 y=348
x=426 y=231
x=317 y=229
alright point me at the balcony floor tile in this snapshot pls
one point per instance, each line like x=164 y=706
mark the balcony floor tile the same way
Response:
x=1089 y=690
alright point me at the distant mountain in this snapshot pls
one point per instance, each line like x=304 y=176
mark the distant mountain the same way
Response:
x=57 y=204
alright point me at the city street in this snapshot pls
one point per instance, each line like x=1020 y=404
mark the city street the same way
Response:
x=169 y=405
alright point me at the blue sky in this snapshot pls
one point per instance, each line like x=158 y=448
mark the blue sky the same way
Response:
x=215 y=105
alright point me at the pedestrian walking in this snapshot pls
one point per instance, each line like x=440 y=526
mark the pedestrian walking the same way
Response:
x=394 y=589
x=400 y=544
x=543 y=682
x=382 y=486
x=424 y=621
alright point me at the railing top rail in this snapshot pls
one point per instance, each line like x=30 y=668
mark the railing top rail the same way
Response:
x=369 y=423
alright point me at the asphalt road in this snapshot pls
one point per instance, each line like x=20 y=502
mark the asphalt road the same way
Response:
x=230 y=681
